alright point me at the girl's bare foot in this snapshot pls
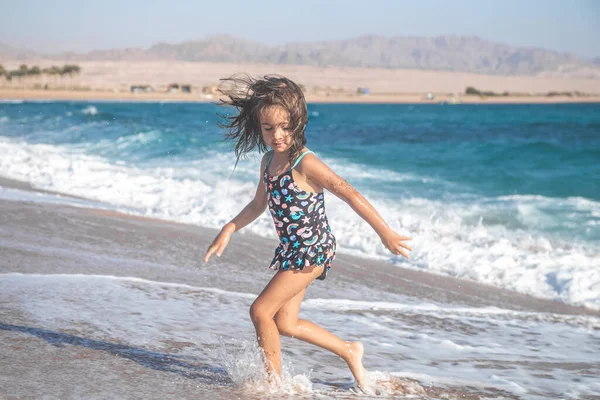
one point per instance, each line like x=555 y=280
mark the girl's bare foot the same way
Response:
x=354 y=359
x=274 y=380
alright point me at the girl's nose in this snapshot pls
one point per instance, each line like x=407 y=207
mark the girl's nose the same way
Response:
x=279 y=133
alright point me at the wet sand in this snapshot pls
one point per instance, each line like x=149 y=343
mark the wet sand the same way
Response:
x=56 y=239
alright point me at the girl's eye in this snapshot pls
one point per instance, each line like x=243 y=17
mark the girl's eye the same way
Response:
x=268 y=129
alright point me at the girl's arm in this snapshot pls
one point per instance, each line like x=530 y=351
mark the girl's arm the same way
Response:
x=252 y=211
x=316 y=171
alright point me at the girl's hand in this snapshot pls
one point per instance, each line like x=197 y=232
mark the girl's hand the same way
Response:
x=220 y=242
x=394 y=243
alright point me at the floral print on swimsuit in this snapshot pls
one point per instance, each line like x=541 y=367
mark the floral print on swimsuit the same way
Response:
x=301 y=224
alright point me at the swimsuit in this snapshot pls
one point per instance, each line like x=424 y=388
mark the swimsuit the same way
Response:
x=301 y=223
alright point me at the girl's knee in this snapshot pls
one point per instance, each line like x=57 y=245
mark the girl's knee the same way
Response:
x=259 y=312
x=285 y=326
x=254 y=311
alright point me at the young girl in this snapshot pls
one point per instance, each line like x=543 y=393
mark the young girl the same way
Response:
x=273 y=114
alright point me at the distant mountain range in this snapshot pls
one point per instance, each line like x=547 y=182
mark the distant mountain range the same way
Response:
x=446 y=53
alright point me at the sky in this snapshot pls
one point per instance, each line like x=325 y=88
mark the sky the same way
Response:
x=85 y=25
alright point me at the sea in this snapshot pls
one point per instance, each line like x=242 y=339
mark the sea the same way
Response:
x=504 y=195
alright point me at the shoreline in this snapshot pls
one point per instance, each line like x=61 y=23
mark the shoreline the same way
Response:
x=413 y=282
x=399 y=98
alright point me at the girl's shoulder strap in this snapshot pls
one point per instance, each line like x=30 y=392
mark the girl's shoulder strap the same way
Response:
x=300 y=158
x=270 y=158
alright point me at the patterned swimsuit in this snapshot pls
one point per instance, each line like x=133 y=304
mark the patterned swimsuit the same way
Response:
x=301 y=223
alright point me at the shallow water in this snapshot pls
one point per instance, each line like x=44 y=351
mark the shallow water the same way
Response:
x=204 y=333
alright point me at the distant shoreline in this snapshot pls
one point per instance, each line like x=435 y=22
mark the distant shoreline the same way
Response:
x=399 y=98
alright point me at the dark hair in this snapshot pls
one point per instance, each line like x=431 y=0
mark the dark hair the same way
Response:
x=251 y=96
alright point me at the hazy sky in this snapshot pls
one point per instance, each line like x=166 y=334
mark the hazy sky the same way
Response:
x=82 y=25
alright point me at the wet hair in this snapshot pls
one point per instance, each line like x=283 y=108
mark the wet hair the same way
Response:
x=252 y=96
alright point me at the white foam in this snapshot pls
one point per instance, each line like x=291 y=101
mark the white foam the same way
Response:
x=453 y=239
x=90 y=110
x=329 y=304
x=131 y=279
x=354 y=172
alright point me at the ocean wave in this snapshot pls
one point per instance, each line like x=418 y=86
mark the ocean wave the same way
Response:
x=357 y=172
x=140 y=138
x=573 y=201
x=90 y=110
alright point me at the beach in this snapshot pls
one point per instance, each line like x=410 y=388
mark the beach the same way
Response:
x=62 y=338
x=112 y=80
x=107 y=208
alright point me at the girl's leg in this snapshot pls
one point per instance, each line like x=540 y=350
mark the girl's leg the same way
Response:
x=282 y=287
x=289 y=324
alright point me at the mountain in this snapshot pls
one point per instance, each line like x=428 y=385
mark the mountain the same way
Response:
x=446 y=53
x=8 y=52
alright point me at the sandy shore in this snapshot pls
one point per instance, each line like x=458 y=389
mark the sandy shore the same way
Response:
x=331 y=84
x=58 y=239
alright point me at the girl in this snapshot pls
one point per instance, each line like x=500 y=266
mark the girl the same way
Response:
x=273 y=114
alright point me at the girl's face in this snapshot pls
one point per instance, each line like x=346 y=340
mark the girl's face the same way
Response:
x=274 y=125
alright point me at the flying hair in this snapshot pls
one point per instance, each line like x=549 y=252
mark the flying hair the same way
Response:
x=250 y=97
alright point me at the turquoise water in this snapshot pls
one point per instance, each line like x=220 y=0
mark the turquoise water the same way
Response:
x=488 y=150
x=506 y=187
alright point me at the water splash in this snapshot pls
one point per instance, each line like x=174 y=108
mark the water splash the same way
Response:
x=244 y=363
x=378 y=383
